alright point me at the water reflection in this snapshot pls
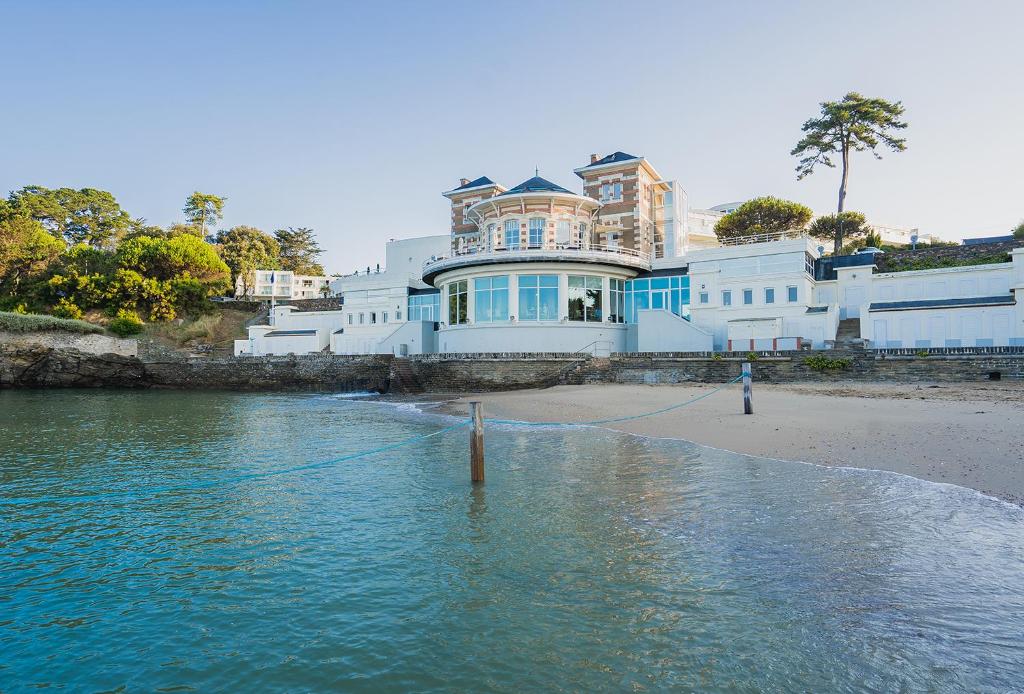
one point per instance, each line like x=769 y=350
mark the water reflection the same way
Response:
x=588 y=561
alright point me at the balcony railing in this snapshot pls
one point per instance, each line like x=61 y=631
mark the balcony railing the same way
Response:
x=558 y=252
x=762 y=238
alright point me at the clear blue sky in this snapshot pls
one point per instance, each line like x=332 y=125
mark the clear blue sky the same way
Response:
x=353 y=118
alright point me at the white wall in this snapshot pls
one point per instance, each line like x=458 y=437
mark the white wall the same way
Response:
x=533 y=337
x=412 y=337
x=947 y=327
x=663 y=331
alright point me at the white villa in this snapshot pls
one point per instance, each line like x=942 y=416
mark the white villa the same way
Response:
x=625 y=266
x=279 y=284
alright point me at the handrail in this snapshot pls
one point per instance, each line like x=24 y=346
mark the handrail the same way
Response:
x=763 y=238
x=595 y=249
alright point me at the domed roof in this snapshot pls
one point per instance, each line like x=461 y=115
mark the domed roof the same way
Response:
x=537 y=185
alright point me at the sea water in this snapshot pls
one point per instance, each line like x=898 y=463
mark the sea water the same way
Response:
x=191 y=542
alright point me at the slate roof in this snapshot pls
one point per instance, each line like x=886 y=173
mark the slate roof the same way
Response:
x=537 y=185
x=482 y=181
x=612 y=158
x=1001 y=300
x=281 y=333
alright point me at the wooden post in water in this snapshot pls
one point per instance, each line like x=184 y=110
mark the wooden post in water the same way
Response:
x=748 y=406
x=476 y=443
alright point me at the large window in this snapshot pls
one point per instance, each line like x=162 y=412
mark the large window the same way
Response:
x=536 y=232
x=617 y=296
x=538 y=297
x=791 y=294
x=748 y=297
x=665 y=293
x=769 y=295
x=424 y=307
x=585 y=298
x=512 y=234
x=490 y=296
x=458 y=302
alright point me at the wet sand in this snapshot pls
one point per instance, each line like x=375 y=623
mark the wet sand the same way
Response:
x=966 y=434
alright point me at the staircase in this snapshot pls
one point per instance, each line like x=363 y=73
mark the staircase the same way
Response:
x=403 y=379
x=848 y=334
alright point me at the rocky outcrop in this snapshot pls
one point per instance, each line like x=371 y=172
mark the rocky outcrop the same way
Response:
x=91 y=343
x=38 y=366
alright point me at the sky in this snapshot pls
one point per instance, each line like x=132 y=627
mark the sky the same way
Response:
x=353 y=118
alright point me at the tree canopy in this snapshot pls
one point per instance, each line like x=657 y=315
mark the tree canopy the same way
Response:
x=87 y=216
x=299 y=251
x=850 y=226
x=854 y=124
x=204 y=210
x=765 y=215
x=1018 y=231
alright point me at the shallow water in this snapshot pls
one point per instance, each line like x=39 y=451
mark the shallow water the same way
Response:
x=589 y=561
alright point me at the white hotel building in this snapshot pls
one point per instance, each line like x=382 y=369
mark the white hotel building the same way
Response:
x=622 y=267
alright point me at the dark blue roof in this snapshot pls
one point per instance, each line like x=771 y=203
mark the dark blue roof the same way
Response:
x=537 y=185
x=1002 y=300
x=482 y=181
x=817 y=309
x=279 y=333
x=988 y=239
x=612 y=159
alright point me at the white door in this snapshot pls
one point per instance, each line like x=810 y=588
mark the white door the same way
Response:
x=853 y=297
x=1001 y=329
x=970 y=330
x=908 y=332
x=880 y=334
x=937 y=331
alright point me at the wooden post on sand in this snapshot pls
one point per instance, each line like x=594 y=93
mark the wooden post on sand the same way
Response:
x=748 y=406
x=476 y=443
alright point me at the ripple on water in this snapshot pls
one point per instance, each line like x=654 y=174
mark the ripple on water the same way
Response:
x=591 y=560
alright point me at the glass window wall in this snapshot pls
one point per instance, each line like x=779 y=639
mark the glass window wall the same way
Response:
x=425 y=307
x=665 y=293
x=585 y=298
x=490 y=298
x=538 y=297
x=458 y=302
x=536 y=232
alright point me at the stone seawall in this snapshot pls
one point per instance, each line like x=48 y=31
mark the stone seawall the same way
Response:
x=453 y=373
x=41 y=366
x=326 y=372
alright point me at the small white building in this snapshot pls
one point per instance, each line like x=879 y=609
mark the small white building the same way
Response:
x=290 y=331
x=281 y=285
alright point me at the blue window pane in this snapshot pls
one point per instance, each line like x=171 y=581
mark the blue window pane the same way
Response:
x=527 y=304
x=675 y=282
x=675 y=301
x=659 y=283
x=499 y=305
x=658 y=300
x=684 y=297
x=482 y=283
x=549 y=303
x=642 y=300
x=686 y=281
x=500 y=282
x=548 y=280
x=528 y=280
x=629 y=285
x=639 y=285
x=630 y=314
x=483 y=307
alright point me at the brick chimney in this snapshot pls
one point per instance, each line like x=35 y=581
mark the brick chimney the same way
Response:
x=593 y=158
x=463 y=181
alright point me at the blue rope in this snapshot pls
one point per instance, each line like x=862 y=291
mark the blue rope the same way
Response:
x=613 y=420
x=237 y=478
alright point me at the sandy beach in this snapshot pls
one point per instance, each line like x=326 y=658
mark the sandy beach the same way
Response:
x=964 y=434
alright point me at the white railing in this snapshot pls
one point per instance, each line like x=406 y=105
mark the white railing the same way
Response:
x=762 y=238
x=558 y=251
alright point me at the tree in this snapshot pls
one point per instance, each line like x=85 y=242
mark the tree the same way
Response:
x=299 y=251
x=765 y=215
x=204 y=210
x=247 y=249
x=88 y=215
x=845 y=225
x=26 y=250
x=857 y=123
x=1018 y=231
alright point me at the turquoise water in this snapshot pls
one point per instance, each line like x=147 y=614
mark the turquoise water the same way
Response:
x=590 y=560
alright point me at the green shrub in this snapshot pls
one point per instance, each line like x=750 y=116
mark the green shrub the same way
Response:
x=752 y=356
x=922 y=353
x=126 y=323
x=819 y=362
x=67 y=309
x=19 y=323
x=717 y=357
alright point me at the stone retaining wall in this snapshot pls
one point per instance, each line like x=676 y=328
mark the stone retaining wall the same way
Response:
x=40 y=366
x=91 y=343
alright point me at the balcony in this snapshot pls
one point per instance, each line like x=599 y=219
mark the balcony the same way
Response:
x=605 y=255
